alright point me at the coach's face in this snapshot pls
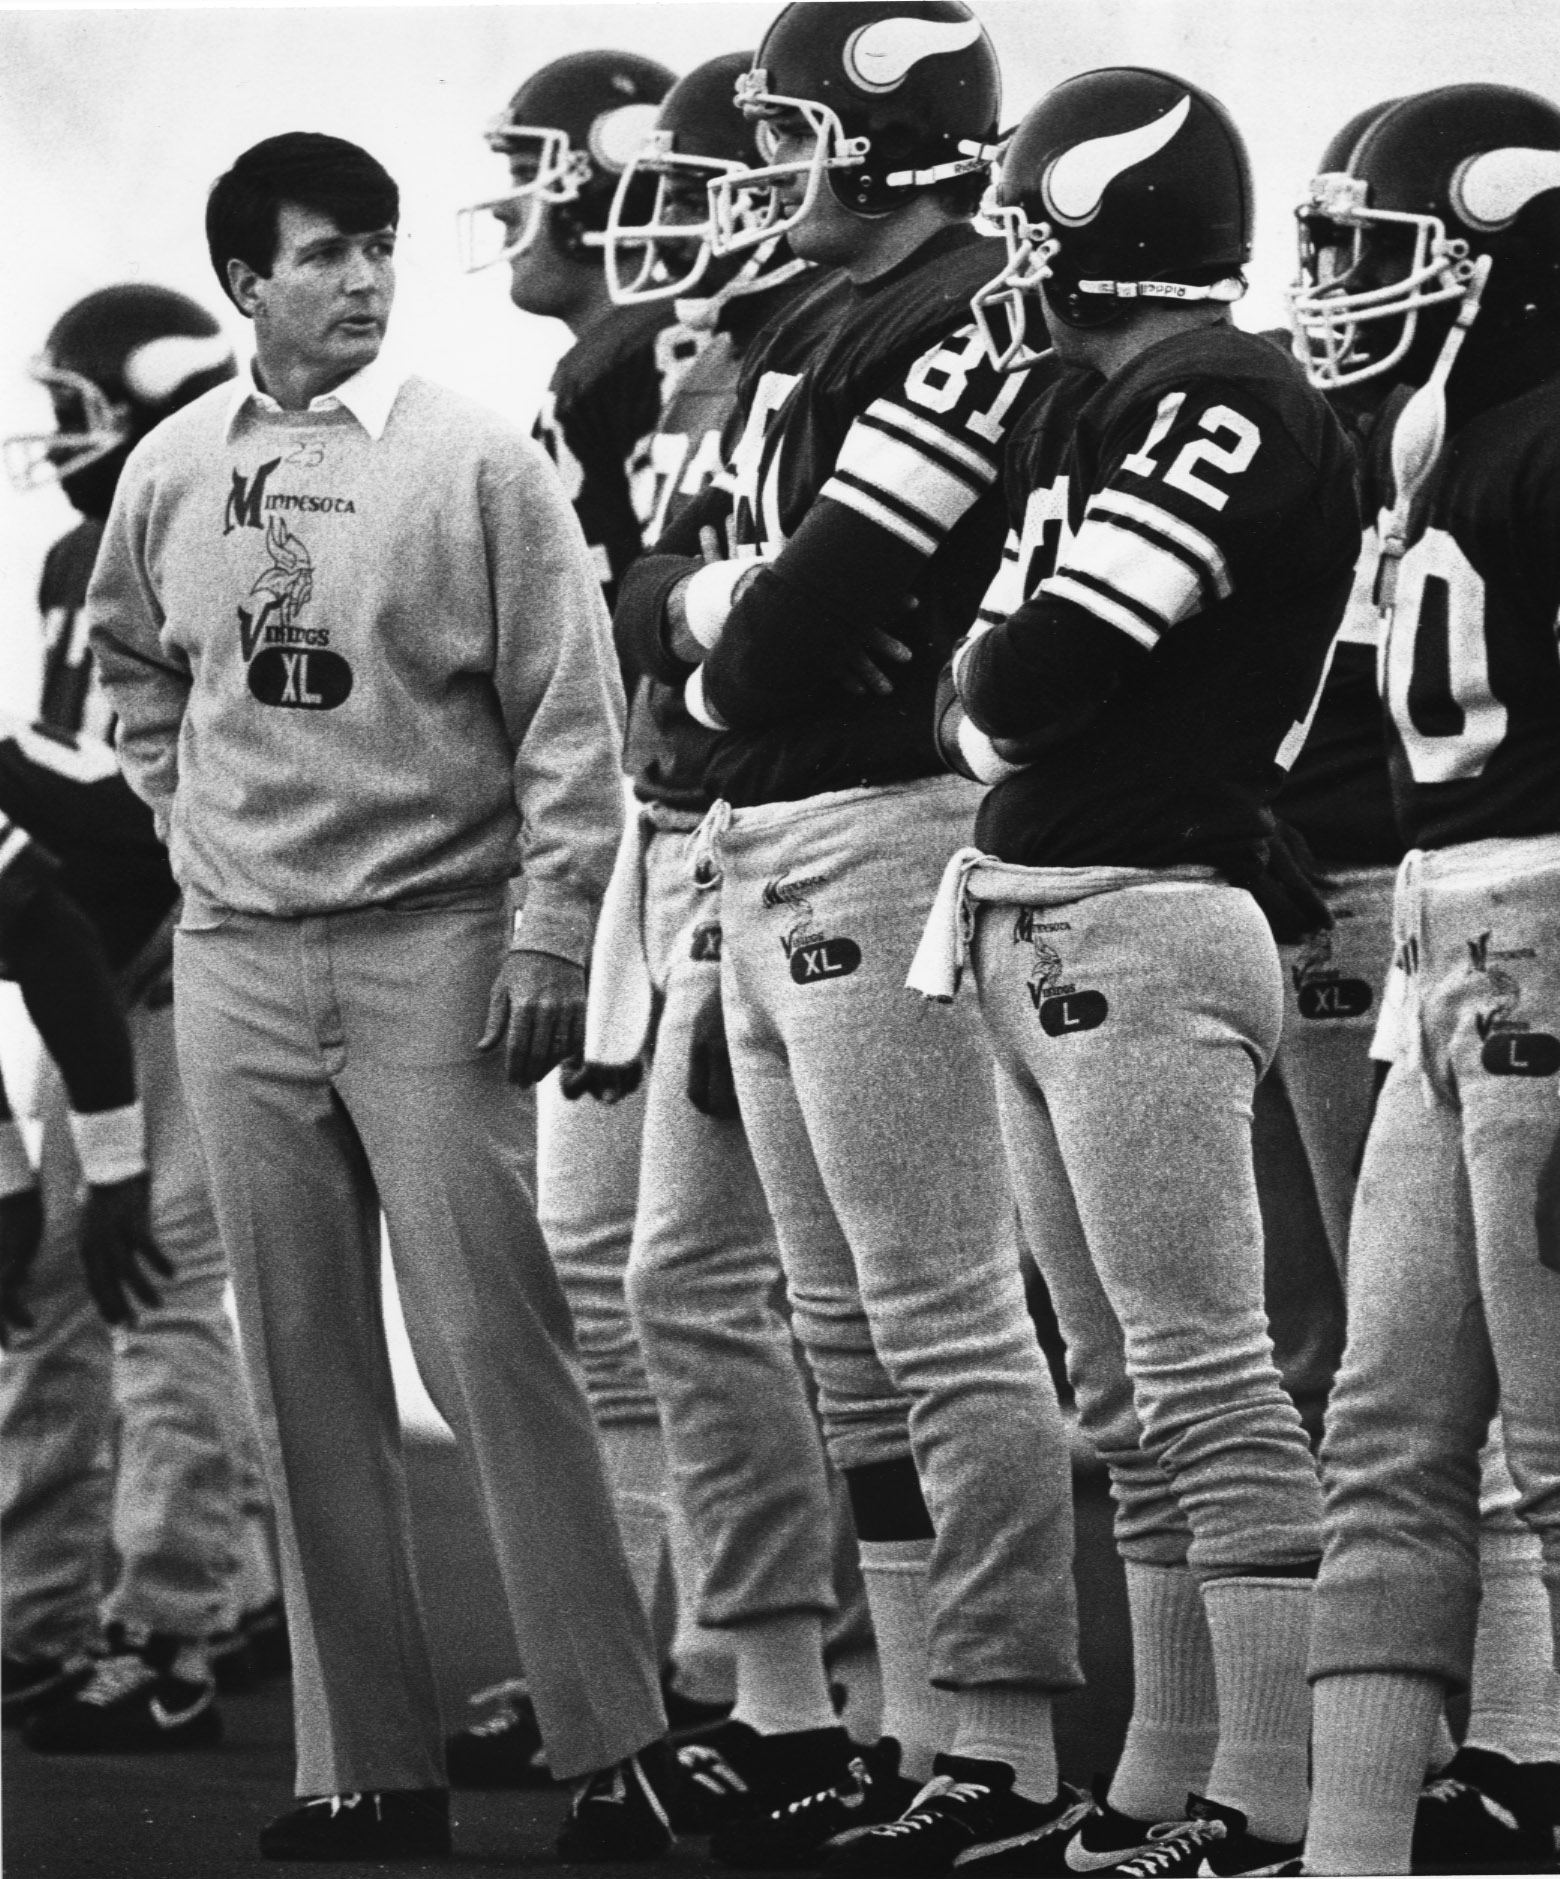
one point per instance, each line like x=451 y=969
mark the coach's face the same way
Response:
x=320 y=315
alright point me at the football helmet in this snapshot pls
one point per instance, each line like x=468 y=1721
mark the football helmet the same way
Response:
x=570 y=131
x=898 y=97
x=1119 y=186
x=1431 y=184
x=658 y=228
x=115 y=364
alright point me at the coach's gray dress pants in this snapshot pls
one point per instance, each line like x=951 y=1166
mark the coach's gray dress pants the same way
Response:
x=332 y=1069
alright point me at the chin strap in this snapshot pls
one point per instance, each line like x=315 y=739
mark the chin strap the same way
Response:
x=1226 y=290
x=1418 y=438
x=973 y=156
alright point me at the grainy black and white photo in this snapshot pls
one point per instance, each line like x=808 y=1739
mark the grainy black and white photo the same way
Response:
x=780 y=938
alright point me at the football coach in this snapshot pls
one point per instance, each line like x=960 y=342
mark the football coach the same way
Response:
x=365 y=680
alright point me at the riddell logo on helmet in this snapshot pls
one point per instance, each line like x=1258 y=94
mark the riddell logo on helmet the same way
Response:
x=880 y=57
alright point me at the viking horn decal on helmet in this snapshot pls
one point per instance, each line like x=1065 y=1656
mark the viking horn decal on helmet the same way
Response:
x=156 y=370
x=879 y=57
x=1491 y=190
x=1076 y=182
x=617 y=137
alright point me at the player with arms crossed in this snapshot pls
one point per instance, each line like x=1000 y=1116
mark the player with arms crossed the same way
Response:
x=1187 y=533
x=865 y=525
x=1435 y=257
x=746 y=1470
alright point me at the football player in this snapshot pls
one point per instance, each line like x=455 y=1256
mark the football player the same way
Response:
x=185 y=1498
x=569 y=134
x=1313 y=1106
x=863 y=526
x=1433 y=258
x=51 y=951
x=1311 y=1113
x=704 y=1278
x=1186 y=534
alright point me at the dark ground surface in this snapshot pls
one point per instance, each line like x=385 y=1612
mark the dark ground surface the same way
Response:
x=196 y=1815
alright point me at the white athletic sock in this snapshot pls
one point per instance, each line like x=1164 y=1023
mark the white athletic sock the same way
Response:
x=1261 y=1633
x=635 y=1456
x=1174 y=1729
x=781 y=1685
x=1371 y=1742
x=918 y=1717
x=1514 y=1705
x=999 y=1722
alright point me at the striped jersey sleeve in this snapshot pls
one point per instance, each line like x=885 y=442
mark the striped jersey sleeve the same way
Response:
x=919 y=458
x=1159 y=541
x=14 y=843
x=15 y=885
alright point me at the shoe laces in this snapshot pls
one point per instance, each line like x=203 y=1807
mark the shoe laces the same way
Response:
x=116 y=1677
x=708 y=1768
x=1172 y=1847
x=506 y=1692
x=922 y=1813
x=857 y=1769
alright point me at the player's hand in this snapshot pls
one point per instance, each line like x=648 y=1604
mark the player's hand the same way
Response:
x=21 y=1234
x=538 y=1010
x=711 y=1088
x=871 y=661
x=608 y=1082
x=117 y=1248
x=1289 y=890
x=1546 y=1208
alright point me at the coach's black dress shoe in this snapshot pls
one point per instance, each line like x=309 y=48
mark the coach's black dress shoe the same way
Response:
x=394 y=1823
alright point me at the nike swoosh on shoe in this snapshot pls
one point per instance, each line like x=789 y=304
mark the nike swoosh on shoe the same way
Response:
x=176 y=1718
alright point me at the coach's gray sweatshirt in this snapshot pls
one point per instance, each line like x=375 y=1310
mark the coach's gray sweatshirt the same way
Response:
x=359 y=655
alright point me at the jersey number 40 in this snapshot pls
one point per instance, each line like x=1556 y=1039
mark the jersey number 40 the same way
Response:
x=1435 y=665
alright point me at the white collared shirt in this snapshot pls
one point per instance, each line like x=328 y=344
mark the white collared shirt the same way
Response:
x=369 y=395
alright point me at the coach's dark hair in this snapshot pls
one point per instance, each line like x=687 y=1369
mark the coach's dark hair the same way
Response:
x=324 y=174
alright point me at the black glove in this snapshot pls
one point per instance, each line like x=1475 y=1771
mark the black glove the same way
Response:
x=711 y=1088
x=1289 y=889
x=116 y=1244
x=21 y=1234
x=607 y=1082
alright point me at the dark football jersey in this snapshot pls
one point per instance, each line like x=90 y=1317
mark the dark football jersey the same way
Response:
x=66 y=793
x=1201 y=504
x=1471 y=665
x=666 y=749
x=597 y=416
x=867 y=480
x=1339 y=793
x=71 y=699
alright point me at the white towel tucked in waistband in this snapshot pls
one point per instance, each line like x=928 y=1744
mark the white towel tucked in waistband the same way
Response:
x=619 y=1006
x=944 y=950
